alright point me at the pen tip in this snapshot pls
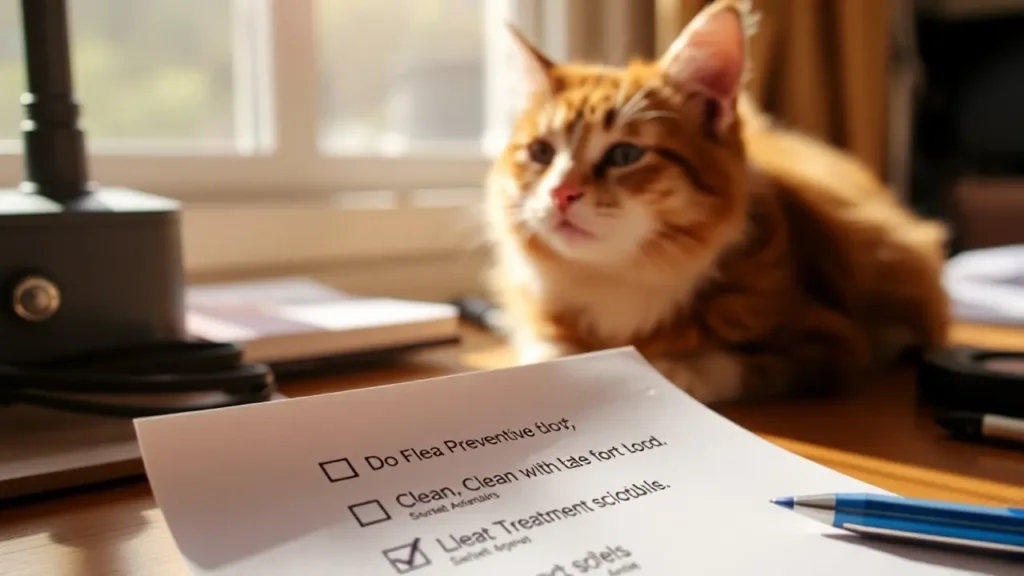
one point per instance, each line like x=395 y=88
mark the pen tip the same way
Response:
x=786 y=502
x=959 y=423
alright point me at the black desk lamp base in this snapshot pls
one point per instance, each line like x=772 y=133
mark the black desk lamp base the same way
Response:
x=82 y=267
x=104 y=272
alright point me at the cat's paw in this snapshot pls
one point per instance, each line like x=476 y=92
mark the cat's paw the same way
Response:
x=684 y=377
x=709 y=378
x=536 y=351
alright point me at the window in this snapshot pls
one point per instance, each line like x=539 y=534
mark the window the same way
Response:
x=354 y=128
x=150 y=74
x=396 y=92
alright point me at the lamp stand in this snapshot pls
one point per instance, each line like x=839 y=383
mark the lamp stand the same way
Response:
x=83 y=267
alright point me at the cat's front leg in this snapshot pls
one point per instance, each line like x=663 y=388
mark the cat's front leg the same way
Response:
x=533 y=350
x=709 y=377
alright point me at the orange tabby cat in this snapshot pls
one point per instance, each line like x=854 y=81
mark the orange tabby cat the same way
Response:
x=654 y=205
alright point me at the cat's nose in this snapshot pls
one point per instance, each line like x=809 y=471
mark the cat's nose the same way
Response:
x=565 y=194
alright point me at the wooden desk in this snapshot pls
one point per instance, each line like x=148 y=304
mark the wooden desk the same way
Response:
x=878 y=436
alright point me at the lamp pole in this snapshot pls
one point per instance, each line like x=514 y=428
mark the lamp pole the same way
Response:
x=54 y=146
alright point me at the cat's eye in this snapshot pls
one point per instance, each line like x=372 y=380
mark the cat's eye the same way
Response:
x=623 y=154
x=541 y=152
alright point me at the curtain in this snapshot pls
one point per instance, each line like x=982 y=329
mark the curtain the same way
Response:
x=820 y=66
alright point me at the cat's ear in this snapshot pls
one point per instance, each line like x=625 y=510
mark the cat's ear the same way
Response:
x=534 y=66
x=710 y=55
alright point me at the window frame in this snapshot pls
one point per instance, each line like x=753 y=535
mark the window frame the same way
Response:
x=323 y=208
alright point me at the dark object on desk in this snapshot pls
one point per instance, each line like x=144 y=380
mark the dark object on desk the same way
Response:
x=481 y=313
x=99 y=383
x=980 y=427
x=973 y=379
x=83 y=268
x=66 y=423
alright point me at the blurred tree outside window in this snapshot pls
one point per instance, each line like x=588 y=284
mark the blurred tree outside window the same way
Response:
x=390 y=72
x=143 y=70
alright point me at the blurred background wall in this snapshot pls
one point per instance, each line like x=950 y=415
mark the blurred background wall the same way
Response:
x=820 y=66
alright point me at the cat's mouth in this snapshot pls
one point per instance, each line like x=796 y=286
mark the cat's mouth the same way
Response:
x=566 y=228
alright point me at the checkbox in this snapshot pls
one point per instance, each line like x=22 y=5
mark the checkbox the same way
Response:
x=338 y=470
x=369 y=513
x=407 y=557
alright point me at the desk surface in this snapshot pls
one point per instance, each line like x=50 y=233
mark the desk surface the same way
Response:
x=877 y=436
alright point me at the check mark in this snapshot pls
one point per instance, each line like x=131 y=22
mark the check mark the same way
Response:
x=407 y=557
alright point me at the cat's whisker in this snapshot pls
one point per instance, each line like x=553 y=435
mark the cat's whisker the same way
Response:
x=628 y=112
x=627 y=116
x=637 y=96
x=621 y=95
x=576 y=135
x=651 y=115
x=634 y=104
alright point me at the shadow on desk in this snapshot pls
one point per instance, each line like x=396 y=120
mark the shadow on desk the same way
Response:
x=90 y=558
x=89 y=533
x=936 y=556
x=882 y=435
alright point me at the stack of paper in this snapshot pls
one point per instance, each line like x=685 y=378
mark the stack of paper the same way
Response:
x=589 y=465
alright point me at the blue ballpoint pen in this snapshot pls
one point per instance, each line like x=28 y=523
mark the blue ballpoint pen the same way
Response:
x=981 y=528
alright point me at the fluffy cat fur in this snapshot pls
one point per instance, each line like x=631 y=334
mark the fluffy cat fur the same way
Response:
x=655 y=205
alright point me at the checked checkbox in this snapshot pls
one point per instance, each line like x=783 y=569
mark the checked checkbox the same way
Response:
x=369 y=513
x=407 y=557
x=338 y=470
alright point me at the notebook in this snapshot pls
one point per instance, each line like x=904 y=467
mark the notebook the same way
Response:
x=291 y=320
x=593 y=464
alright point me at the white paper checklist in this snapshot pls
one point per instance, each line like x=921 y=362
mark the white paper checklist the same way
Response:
x=592 y=465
